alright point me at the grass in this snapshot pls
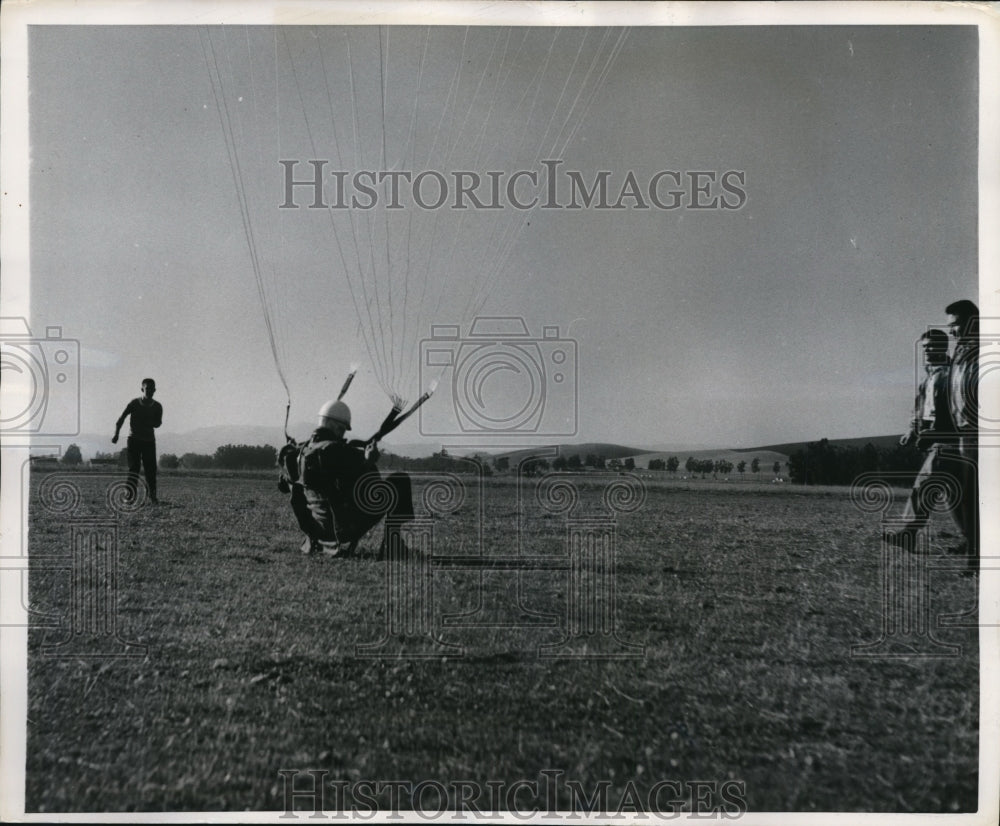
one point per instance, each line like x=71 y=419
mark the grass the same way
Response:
x=746 y=597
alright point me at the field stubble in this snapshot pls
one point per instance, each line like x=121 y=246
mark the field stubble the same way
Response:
x=747 y=601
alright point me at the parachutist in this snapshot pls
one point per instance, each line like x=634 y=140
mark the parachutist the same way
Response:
x=337 y=492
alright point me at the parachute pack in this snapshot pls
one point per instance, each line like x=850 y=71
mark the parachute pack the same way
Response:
x=320 y=463
x=310 y=464
x=302 y=463
x=288 y=466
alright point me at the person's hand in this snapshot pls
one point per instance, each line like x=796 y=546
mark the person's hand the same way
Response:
x=904 y=440
x=114 y=439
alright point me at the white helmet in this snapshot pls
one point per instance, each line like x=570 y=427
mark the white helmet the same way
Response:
x=337 y=412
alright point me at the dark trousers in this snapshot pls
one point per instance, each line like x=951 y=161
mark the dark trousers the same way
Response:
x=941 y=467
x=968 y=509
x=141 y=453
x=346 y=521
x=952 y=471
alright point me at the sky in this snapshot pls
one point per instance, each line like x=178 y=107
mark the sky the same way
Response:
x=792 y=317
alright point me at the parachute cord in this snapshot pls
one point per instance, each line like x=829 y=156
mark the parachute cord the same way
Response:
x=462 y=119
x=369 y=343
x=368 y=337
x=506 y=238
x=509 y=240
x=507 y=233
x=371 y=238
x=225 y=120
x=272 y=301
x=448 y=117
x=383 y=70
x=450 y=149
x=288 y=410
x=452 y=95
x=478 y=144
x=602 y=77
x=409 y=218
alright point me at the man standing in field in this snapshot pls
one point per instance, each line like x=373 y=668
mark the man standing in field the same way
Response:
x=932 y=431
x=144 y=416
x=963 y=324
x=327 y=478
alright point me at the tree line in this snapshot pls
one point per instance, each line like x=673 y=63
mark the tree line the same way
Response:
x=822 y=463
x=716 y=467
x=529 y=466
x=226 y=457
x=819 y=463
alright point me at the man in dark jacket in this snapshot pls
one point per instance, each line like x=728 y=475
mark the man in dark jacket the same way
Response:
x=963 y=322
x=144 y=416
x=337 y=492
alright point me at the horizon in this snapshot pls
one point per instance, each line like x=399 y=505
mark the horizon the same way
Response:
x=90 y=444
x=791 y=312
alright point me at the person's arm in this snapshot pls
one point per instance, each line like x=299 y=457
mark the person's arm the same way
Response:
x=914 y=430
x=158 y=415
x=942 y=429
x=922 y=416
x=121 y=420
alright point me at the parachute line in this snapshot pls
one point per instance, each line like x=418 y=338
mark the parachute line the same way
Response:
x=443 y=102
x=508 y=244
x=369 y=342
x=373 y=352
x=226 y=121
x=409 y=218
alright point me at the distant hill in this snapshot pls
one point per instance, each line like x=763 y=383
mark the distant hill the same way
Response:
x=858 y=442
x=766 y=456
x=642 y=456
x=205 y=440
x=604 y=450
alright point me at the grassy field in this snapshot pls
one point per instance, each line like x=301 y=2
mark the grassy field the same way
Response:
x=747 y=599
